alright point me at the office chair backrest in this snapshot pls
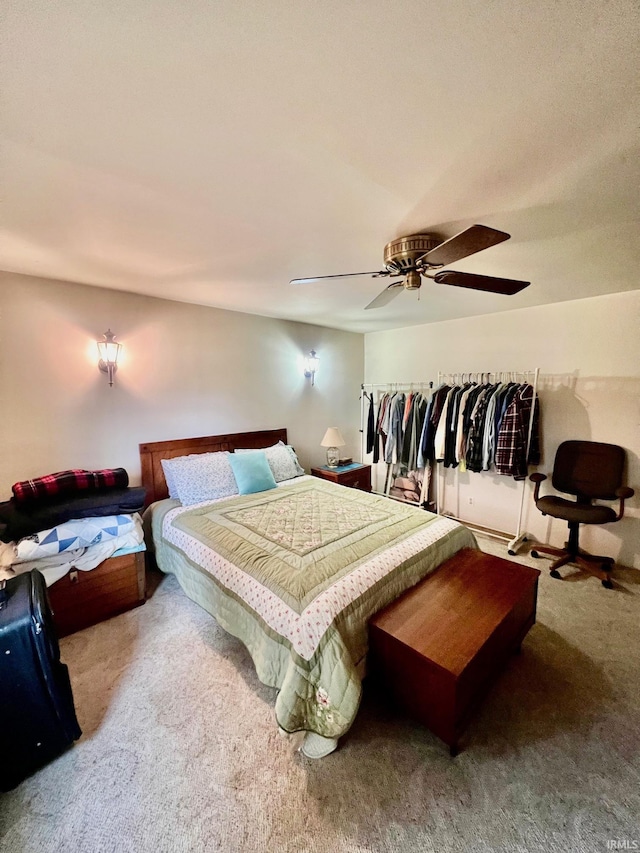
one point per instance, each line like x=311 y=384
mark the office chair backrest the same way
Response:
x=588 y=469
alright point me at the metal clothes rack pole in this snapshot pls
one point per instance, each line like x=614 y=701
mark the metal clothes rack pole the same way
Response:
x=520 y=537
x=362 y=411
x=494 y=376
x=398 y=385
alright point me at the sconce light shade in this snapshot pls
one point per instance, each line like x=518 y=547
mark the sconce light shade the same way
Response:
x=109 y=351
x=311 y=364
x=332 y=441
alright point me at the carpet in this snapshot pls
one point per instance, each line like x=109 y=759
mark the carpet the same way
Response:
x=180 y=750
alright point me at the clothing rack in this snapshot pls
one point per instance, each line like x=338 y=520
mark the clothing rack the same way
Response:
x=387 y=386
x=529 y=376
x=458 y=378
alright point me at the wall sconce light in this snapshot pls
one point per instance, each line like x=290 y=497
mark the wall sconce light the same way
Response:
x=311 y=363
x=109 y=351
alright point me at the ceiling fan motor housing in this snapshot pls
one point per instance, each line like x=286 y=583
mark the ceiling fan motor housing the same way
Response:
x=402 y=254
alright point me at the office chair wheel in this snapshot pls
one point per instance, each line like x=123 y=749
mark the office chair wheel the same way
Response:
x=555 y=574
x=608 y=584
x=535 y=554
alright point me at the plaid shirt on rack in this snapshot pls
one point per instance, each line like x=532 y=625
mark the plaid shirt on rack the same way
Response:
x=511 y=451
x=68 y=482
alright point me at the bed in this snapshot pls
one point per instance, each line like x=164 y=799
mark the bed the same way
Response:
x=295 y=573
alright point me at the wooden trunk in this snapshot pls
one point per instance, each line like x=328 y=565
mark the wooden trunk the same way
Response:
x=80 y=599
x=438 y=648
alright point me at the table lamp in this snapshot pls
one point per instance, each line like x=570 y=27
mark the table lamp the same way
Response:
x=332 y=441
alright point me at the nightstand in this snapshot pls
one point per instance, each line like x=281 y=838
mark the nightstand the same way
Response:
x=355 y=476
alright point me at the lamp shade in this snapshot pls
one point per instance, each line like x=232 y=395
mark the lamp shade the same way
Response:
x=333 y=438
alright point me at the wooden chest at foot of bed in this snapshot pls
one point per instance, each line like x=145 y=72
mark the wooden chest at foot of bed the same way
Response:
x=437 y=649
x=80 y=599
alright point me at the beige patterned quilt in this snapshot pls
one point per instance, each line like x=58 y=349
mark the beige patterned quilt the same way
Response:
x=296 y=573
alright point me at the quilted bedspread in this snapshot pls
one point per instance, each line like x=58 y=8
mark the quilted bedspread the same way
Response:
x=296 y=573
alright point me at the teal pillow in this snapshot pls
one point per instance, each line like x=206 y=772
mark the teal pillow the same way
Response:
x=252 y=472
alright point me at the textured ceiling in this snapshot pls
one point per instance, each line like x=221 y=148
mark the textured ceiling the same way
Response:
x=210 y=151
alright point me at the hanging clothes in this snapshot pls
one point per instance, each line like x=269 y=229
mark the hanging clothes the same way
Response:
x=474 y=426
x=489 y=430
x=408 y=437
x=393 y=447
x=380 y=438
x=451 y=429
x=418 y=418
x=474 y=420
x=393 y=426
x=467 y=405
x=511 y=447
x=371 y=429
x=441 y=429
x=407 y=478
x=473 y=451
x=427 y=440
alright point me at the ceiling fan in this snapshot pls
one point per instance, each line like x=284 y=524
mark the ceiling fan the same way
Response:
x=409 y=258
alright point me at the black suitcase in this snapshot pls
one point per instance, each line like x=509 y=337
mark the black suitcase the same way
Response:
x=37 y=715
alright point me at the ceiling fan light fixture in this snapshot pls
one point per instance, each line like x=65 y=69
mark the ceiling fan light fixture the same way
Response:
x=412 y=281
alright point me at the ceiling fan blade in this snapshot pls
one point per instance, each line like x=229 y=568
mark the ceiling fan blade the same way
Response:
x=505 y=286
x=375 y=274
x=467 y=242
x=386 y=296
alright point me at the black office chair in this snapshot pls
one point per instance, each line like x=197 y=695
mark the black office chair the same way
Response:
x=591 y=471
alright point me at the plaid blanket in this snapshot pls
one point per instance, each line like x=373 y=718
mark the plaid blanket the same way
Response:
x=69 y=482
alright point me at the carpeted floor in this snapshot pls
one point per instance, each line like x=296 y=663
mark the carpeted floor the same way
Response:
x=180 y=750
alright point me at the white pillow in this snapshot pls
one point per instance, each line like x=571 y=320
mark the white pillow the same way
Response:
x=282 y=460
x=168 y=472
x=200 y=477
x=168 y=475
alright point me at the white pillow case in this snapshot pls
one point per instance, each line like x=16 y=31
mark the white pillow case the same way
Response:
x=200 y=477
x=282 y=460
x=168 y=476
x=168 y=472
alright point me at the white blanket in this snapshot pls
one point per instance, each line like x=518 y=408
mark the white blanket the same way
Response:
x=57 y=565
x=71 y=535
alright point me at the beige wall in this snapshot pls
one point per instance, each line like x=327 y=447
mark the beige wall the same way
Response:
x=588 y=352
x=189 y=370
x=186 y=371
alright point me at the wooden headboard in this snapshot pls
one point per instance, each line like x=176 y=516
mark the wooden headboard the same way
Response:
x=152 y=452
